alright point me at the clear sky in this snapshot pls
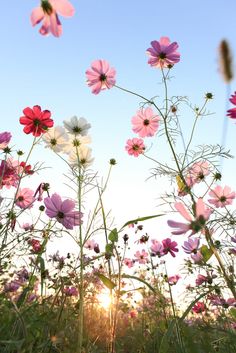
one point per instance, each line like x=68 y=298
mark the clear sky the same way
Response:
x=51 y=72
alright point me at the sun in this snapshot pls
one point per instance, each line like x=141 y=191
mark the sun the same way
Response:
x=104 y=300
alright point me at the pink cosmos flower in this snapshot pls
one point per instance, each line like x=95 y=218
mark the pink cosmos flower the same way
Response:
x=220 y=197
x=70 y=291
x=201 y=279
x=5 y=138
x=232 y=112
x=218 y=301
x=172 y=280
x=92 y=245
x=36 y=121
x=8 y=173
x=197 y=258
x=48 y=13
x=100 y=76
x=199 y=308
x=135 y=147
x=197 y=172
x=169 y=247
x=35 y=245
x=163 y=53
x=128 y=262
x=25 y=198
x=141 y=257
x=191 y=245
x=195 y=225
x=145 y=122
x=156 y=248
x=63 y=211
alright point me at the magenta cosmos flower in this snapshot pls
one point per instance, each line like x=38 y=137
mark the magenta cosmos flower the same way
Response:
x=221 y=197
x=232 y=112
x=5 y=138
x=169 y=247
x=195 y=224
x=135 y=147
x=100 y=76
x=145 y=122
x=48 y=12
x=25 y=198
x=36 y=121
x=163 y=53
x=63 y=211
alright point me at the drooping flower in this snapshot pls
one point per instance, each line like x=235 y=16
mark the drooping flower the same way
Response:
x=77 y=126
x=5 y=138
x=63 y=211
x=25 y=198
x=163 y=53
x=100 y=76
x=145 y=122
x=48 y=13
x=36 y=121
x=201 y=279
x=141 y=256
x=191 y=246
x=40 y=190
x=135 y=147
x=195 y=224
x=26 y=169
x=156 y=248
x=169 y=246
x=56 y=138
x=232 y=112
x=221 y=197
x=172 y=280
x=8 y=173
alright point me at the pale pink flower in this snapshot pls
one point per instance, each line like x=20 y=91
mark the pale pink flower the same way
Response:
x=128 y=262
x=63 y=211
x=141 y=257
x=92 y=245
x=5 y=138
x=197 y=173
x=145 y=122
x=156 y=248
x=197 y=258
x=172 y=280
x=25 y=198
x=195 y=224
x=220 y=197
x=191 y=245
x=48 y=13
x=135 y=147
x=100 y=76
x=163 y=53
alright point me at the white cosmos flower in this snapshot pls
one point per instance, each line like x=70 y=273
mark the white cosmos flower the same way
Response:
x=56 y=138
x=77 y=126
x=76 y=142
x=82 y=157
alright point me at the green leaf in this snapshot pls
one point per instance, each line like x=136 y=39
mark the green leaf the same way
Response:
x=141 y=219
x=106 y=281
x=232 y=313
x=206 y=252
x=140 y=280
x=113 y=236
x=109 y=248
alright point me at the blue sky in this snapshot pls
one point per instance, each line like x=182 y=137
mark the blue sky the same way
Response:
x=51 y=72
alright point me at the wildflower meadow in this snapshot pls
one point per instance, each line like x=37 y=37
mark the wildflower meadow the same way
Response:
x=81 y=272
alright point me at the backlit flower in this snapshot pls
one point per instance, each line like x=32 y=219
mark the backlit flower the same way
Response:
x=169 y=246
x=8 y=173
x=194 y=224
x=156 y=248
x=172 y=280
x=25 y=198
x=76 y=143
x=221 y=197
x=81 y=157
x=145 y=122
x=191 y=246
x=199 y=308
x=63 y=211
x=163 y=53
x=197 y=173
x=47 y=13
x=128 y=262
x=77 y=126
x=135 y=147
x=36 y=121
x=141 y=256
x=5 y=138
x=100 y=76
x=56 y=138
